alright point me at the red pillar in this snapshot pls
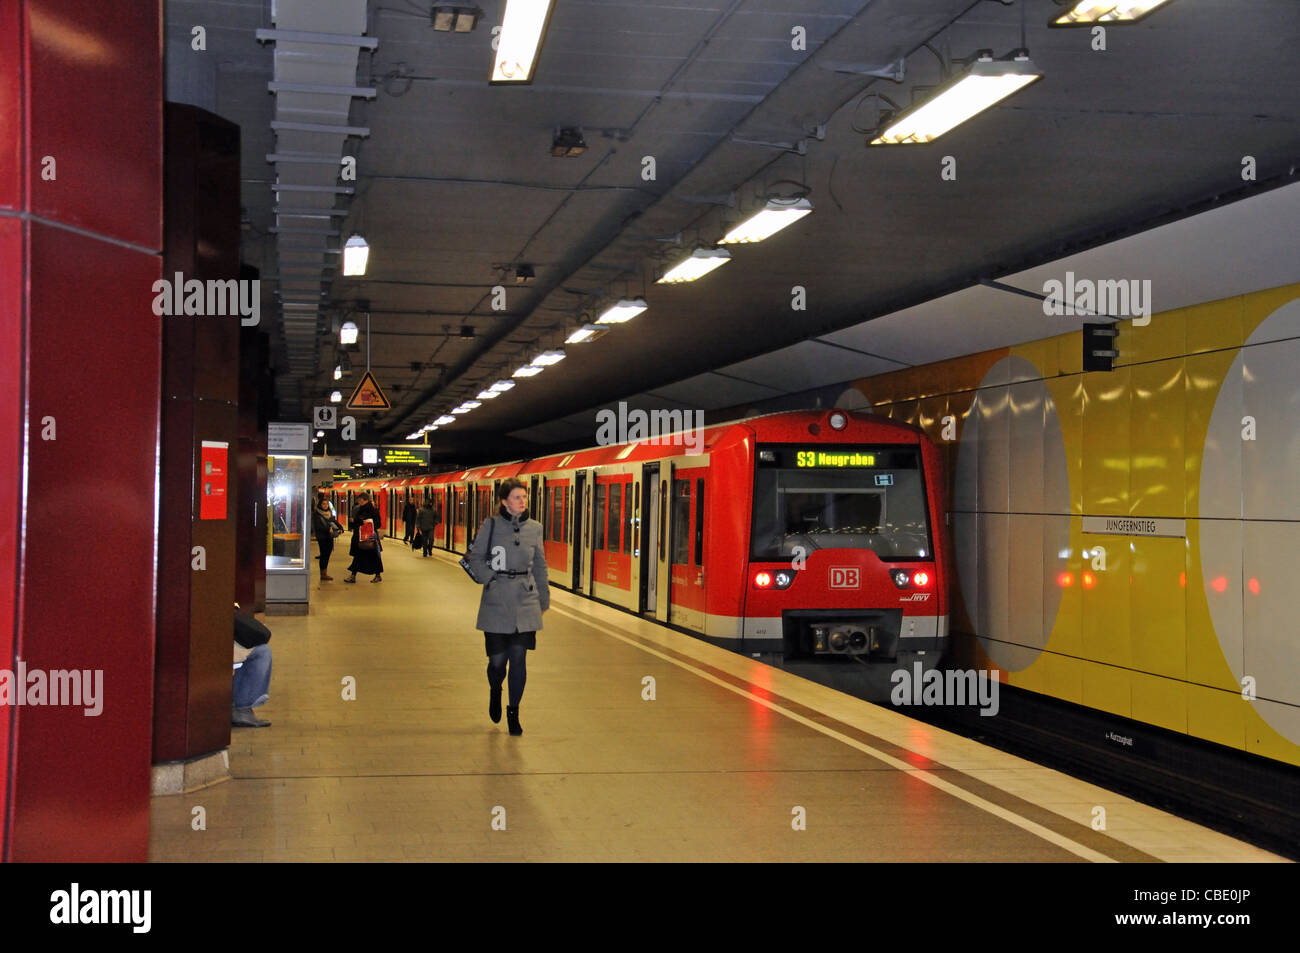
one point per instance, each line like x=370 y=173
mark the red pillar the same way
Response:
x=80 y=234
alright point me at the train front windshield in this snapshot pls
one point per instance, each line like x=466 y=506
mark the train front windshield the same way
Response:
x=840 y=498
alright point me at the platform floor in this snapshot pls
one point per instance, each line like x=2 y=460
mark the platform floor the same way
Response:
x=714 y=768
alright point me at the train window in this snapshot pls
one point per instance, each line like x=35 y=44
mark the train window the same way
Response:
x=699 y=522
x=598 y=516
x=681 y=521
x=628 y=528
x=557 y=514
x=878 y=508
x=615 y=515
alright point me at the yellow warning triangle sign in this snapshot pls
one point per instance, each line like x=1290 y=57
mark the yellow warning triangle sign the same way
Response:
x=368 y=395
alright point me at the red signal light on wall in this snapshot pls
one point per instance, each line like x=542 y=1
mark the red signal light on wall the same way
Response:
x=1253 y=586
x=763 y=579
x=921 y=578
x=1220 y=584
x=1065 y=580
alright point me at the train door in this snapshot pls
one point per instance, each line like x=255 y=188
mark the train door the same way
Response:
x=687 y=548
x=444 y=507
x=649 y=537
x=535 y=501
x=579 y=498
x=472 y=517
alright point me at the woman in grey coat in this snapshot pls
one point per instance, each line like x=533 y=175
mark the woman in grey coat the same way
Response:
x=508 y=558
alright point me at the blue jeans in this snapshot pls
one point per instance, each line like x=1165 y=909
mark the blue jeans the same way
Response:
x=253 y=679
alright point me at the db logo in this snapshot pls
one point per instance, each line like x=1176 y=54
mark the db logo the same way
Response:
x=844 y=577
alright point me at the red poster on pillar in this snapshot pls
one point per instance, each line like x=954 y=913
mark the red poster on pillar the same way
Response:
x=212 y=481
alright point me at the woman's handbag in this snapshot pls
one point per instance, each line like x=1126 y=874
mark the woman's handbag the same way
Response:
x=417 y=541
x=336 y=528
x=464 y=563
x=366 y=538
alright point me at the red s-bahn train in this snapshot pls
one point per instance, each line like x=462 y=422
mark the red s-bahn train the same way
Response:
x=814 y=535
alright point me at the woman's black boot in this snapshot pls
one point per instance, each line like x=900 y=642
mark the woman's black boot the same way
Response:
x=494 y=706
x=512 y=719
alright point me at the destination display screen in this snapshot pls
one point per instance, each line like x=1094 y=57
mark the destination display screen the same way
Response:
x=839 y=458
x=404 y=456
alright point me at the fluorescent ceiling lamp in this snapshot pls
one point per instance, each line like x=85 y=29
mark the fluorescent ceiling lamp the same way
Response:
x=502 y=386
x=776 y=215
x=355 y=255
x=528 y=370
x=547 y=358
x=460 y=410
x=700 y=263
x=521 y=37
x=444 y=420
x=624 y=311
x=348 y=333
x=986 y=82
x=588 y=332
x=338 y=372
x=1106 y=11
x=489 y=394
x=320 y=433
x=471 y=404
x=336 y=397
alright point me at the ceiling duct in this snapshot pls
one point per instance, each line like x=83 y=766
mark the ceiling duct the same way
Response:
x=317 y=47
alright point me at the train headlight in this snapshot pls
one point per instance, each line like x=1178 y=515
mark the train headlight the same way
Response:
x=839 y=641
x=763 y=580
x=901 y=578
x=838 y=421
x=784 y=578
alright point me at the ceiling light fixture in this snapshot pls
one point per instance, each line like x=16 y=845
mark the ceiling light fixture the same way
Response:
x=528 y=370
x=338 y=372
x=462 y=409
x=336 y=397
x=984 y=84
x=489 y=394
x=588 y=332
x=471 y=404
x=547 y=358
x=624 y=311
x=700 y=263
x=348 y=333
x=522 y=27
x=567 y=143
x=775 y=215
x=502 y=386
x=444 y=420
x=1085 y=12
x=356 y=253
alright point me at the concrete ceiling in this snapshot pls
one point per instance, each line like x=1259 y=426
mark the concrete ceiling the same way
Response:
x=456 y=183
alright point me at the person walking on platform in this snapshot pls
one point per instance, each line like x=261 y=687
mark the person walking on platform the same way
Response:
x=427 y=520
x=323 y=525
x=409 y=512
x=365 y=550
x=507 y=557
